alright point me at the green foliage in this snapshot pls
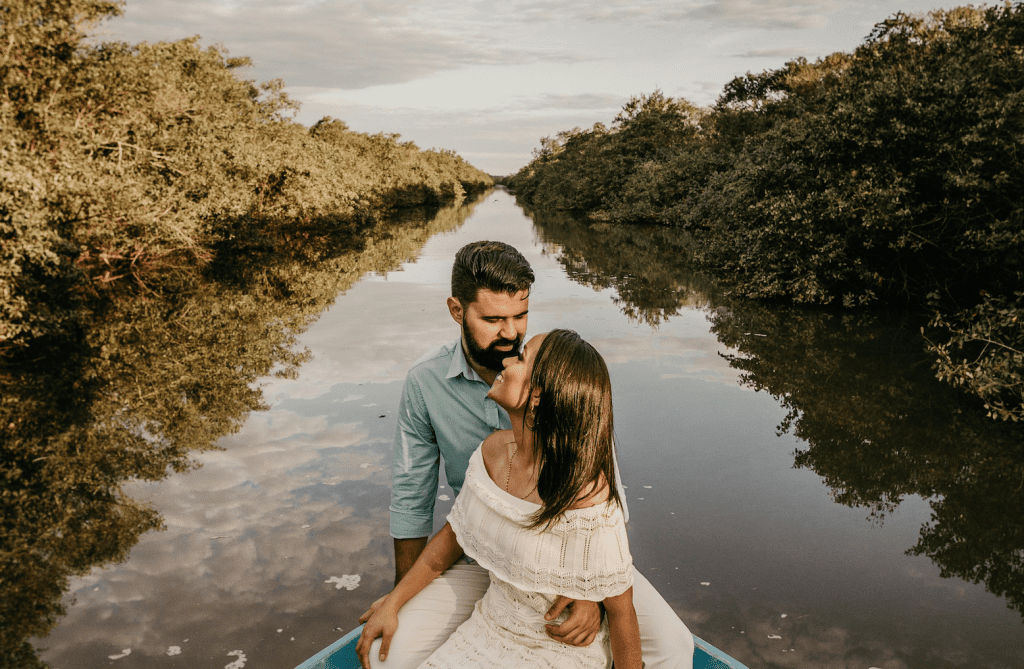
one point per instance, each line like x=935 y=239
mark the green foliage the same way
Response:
x=985 y=353
x=606 y=171
x=166 y=231
x=126 y=166
x=890 y=175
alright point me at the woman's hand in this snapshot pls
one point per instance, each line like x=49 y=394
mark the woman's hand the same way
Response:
x=580 y=628
x=383 y=623
x=373 y=609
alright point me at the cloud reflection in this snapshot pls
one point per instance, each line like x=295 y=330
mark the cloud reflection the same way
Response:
x=288 y=504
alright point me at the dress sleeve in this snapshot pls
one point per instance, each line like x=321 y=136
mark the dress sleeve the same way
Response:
x=583 y=555
x=414 y=470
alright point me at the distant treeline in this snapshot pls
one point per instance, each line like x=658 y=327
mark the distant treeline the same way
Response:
x=131 y=167
x=887 y=176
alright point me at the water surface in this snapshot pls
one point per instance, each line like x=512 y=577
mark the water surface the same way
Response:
x=779 y=466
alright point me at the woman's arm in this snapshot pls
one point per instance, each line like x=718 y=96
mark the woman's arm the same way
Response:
x=441 y=552
x=624 y=630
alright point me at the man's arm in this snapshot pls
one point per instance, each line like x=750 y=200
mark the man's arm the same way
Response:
x=414 y=475
x=406 y=552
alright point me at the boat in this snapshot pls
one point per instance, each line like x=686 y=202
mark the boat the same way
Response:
x=342 y=655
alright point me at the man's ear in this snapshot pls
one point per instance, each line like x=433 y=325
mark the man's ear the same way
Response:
x=455 y=309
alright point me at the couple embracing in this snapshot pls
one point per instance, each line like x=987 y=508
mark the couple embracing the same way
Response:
x=533 y=567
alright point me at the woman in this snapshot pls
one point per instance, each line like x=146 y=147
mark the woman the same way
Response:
x=539 y=510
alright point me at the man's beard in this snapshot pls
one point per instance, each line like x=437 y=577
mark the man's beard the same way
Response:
x=490 y=357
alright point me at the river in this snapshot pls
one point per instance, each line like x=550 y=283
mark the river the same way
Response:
x=801 y=490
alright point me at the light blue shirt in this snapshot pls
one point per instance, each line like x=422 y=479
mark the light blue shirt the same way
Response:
x=445 y=412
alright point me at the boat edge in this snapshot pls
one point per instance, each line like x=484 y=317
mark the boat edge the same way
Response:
x=718 y=659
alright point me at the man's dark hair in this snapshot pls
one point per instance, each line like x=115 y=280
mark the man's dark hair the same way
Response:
x=495 y=266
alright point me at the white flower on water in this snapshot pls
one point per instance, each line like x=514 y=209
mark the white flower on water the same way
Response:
x=237 y=664
x=348 y=581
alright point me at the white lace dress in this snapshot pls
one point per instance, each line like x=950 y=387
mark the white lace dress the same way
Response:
x=584 y=555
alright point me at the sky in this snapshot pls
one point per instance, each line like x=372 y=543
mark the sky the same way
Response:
x=490 y=79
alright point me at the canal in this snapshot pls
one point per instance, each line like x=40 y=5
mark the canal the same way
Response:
x=801 y=490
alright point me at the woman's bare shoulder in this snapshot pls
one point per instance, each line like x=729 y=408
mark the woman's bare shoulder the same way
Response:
x=493 y=450
x=597 y=493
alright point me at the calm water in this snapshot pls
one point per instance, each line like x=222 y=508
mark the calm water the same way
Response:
x=782 y=470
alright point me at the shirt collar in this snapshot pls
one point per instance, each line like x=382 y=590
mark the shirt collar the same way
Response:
x=461 y=366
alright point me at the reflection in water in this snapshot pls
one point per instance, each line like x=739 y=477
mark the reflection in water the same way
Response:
x=878 y=427
x=648 y=266
x=860 y=393
x=148 y=381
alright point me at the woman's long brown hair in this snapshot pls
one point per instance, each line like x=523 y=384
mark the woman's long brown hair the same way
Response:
x=573 y=427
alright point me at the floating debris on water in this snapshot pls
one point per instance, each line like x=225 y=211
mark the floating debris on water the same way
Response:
x=237 y=664
x=364 y=465
x=648 y=487
x=774 y=636
x=784 y=615
x=305 y=526
x=347 y=581
x=443 y=498
x=705 y=583
x=174 y=650
x=124 y=653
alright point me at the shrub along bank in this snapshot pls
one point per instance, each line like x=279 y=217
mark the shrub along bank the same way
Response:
x=890 y=175
x=129 y=167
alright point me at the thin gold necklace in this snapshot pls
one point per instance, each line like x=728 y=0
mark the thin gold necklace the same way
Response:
x=508 y=472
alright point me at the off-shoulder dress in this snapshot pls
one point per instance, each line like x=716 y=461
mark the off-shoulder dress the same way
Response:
x=583 y=555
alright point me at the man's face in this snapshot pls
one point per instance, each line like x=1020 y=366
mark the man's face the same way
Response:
x=493 y=327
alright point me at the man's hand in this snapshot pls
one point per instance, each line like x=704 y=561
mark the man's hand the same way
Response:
x=581 y=627
x=373 y=609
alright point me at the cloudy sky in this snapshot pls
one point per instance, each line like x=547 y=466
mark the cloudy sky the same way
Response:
x=489 y=79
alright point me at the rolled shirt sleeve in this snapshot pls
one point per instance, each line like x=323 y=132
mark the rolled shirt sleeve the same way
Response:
x=414 y=468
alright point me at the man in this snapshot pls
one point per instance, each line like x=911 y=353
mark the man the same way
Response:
x=445 y=412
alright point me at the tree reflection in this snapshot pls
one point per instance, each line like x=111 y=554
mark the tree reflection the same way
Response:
x=148 y=381
x=648 y=266
x=878 y=426
x=860 y=392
